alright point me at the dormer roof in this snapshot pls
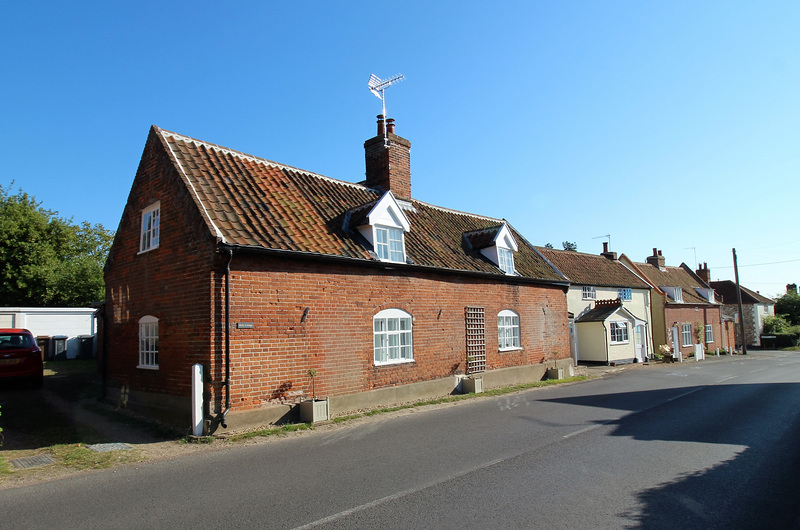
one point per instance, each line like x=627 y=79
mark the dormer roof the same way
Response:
x=499 y=236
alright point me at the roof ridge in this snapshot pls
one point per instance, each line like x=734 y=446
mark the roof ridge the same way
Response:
x=459 y=212
x=254 y=158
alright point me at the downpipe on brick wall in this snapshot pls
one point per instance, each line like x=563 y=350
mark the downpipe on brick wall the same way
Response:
x=227 y=340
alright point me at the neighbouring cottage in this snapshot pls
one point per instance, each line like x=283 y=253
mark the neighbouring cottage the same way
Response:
x=684 y=309
x=755 y=308
x=609 y=307
x=260 y=272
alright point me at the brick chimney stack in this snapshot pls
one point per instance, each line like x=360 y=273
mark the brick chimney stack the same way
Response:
x=606 y=253
x=791 y=288
x=388 y=160
x=704 y=273
x=656 y=260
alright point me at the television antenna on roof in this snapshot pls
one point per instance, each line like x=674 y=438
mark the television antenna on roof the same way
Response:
x=604 y=236
x=377 y=86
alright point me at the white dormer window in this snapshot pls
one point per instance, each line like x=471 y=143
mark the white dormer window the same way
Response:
x=385 y=229
x=389 y=243
x=502 y=251
x=708 y=294
x=506 y=260
x=676 y=293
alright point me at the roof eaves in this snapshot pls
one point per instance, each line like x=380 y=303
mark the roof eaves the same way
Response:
x=315 y=256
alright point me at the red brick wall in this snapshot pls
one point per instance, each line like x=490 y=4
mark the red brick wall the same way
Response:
x=172 y=283
x=181 y=283
x=270 y=361
x=692 y=315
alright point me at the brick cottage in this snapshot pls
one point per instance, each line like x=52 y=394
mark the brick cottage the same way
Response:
x=260 y=272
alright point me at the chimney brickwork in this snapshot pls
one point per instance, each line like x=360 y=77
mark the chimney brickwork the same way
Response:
x=657 y=260
x=704 y=273
x=388 y=161
x=606 y=253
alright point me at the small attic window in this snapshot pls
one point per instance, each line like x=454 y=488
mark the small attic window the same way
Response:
x=501 y=250
x=389 y=244
x=676 y=293
x=385 y=227
x=708 y=294
x=505 y=257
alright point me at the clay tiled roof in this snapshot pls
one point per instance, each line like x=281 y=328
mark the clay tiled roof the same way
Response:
x=727 y=290
x=675 y=277
x=255 y=203
x=602 y=310
x=592 y=269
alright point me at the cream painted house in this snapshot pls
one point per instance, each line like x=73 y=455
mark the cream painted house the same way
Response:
x=609 y=307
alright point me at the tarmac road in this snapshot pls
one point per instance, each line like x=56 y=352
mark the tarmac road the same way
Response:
x=712 y=444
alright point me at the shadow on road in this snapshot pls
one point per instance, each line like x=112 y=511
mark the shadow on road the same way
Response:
x=757 y=487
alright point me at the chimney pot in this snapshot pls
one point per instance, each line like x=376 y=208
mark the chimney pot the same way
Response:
x=390 y=125
x=381 y=125
x=656 y=260
x=605 y=246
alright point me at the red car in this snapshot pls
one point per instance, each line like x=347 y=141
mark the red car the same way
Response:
x=20 y=357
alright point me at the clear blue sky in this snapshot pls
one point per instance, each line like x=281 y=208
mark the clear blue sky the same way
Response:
x=665 y=124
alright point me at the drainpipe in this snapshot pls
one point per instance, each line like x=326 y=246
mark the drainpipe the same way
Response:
x=227 y=339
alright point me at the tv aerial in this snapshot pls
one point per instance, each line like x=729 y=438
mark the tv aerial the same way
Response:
x=378 y=86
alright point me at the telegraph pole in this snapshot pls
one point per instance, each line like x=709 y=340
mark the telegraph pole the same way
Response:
x=739 y=301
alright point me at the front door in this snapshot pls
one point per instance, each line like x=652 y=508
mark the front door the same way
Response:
x=638 y=335
x=573 y=341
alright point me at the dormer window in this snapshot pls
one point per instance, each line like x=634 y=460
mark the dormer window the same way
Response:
x=389 y=243
x=708 y=294
x=497 y=244
x=505 y=258
x=676 y=293
x=385 y=226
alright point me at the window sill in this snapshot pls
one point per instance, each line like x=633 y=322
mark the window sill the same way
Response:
x=146 y=251
x=393 y=363
x=504 y=350
x=147 y=367
x=620 y=343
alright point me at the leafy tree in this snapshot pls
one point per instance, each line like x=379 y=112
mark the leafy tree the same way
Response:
x=46 y=260
x=569 y=245
x=789 y=305
x=776 y=324
x=548 y=245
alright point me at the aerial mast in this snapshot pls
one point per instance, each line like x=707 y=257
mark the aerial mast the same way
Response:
x=378 y=87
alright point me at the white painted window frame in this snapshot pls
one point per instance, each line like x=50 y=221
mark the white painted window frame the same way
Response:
x=148 y=343
x=150 y=232
x=505 y=258
x=588 y=292
x=508 y=331
x=625 y=294
x=393 y=337
x=686 y=335
x=709 y=333
x=390 y=244
x=619 y=332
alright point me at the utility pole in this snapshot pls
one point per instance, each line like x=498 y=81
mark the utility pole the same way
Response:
x=739 y=301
